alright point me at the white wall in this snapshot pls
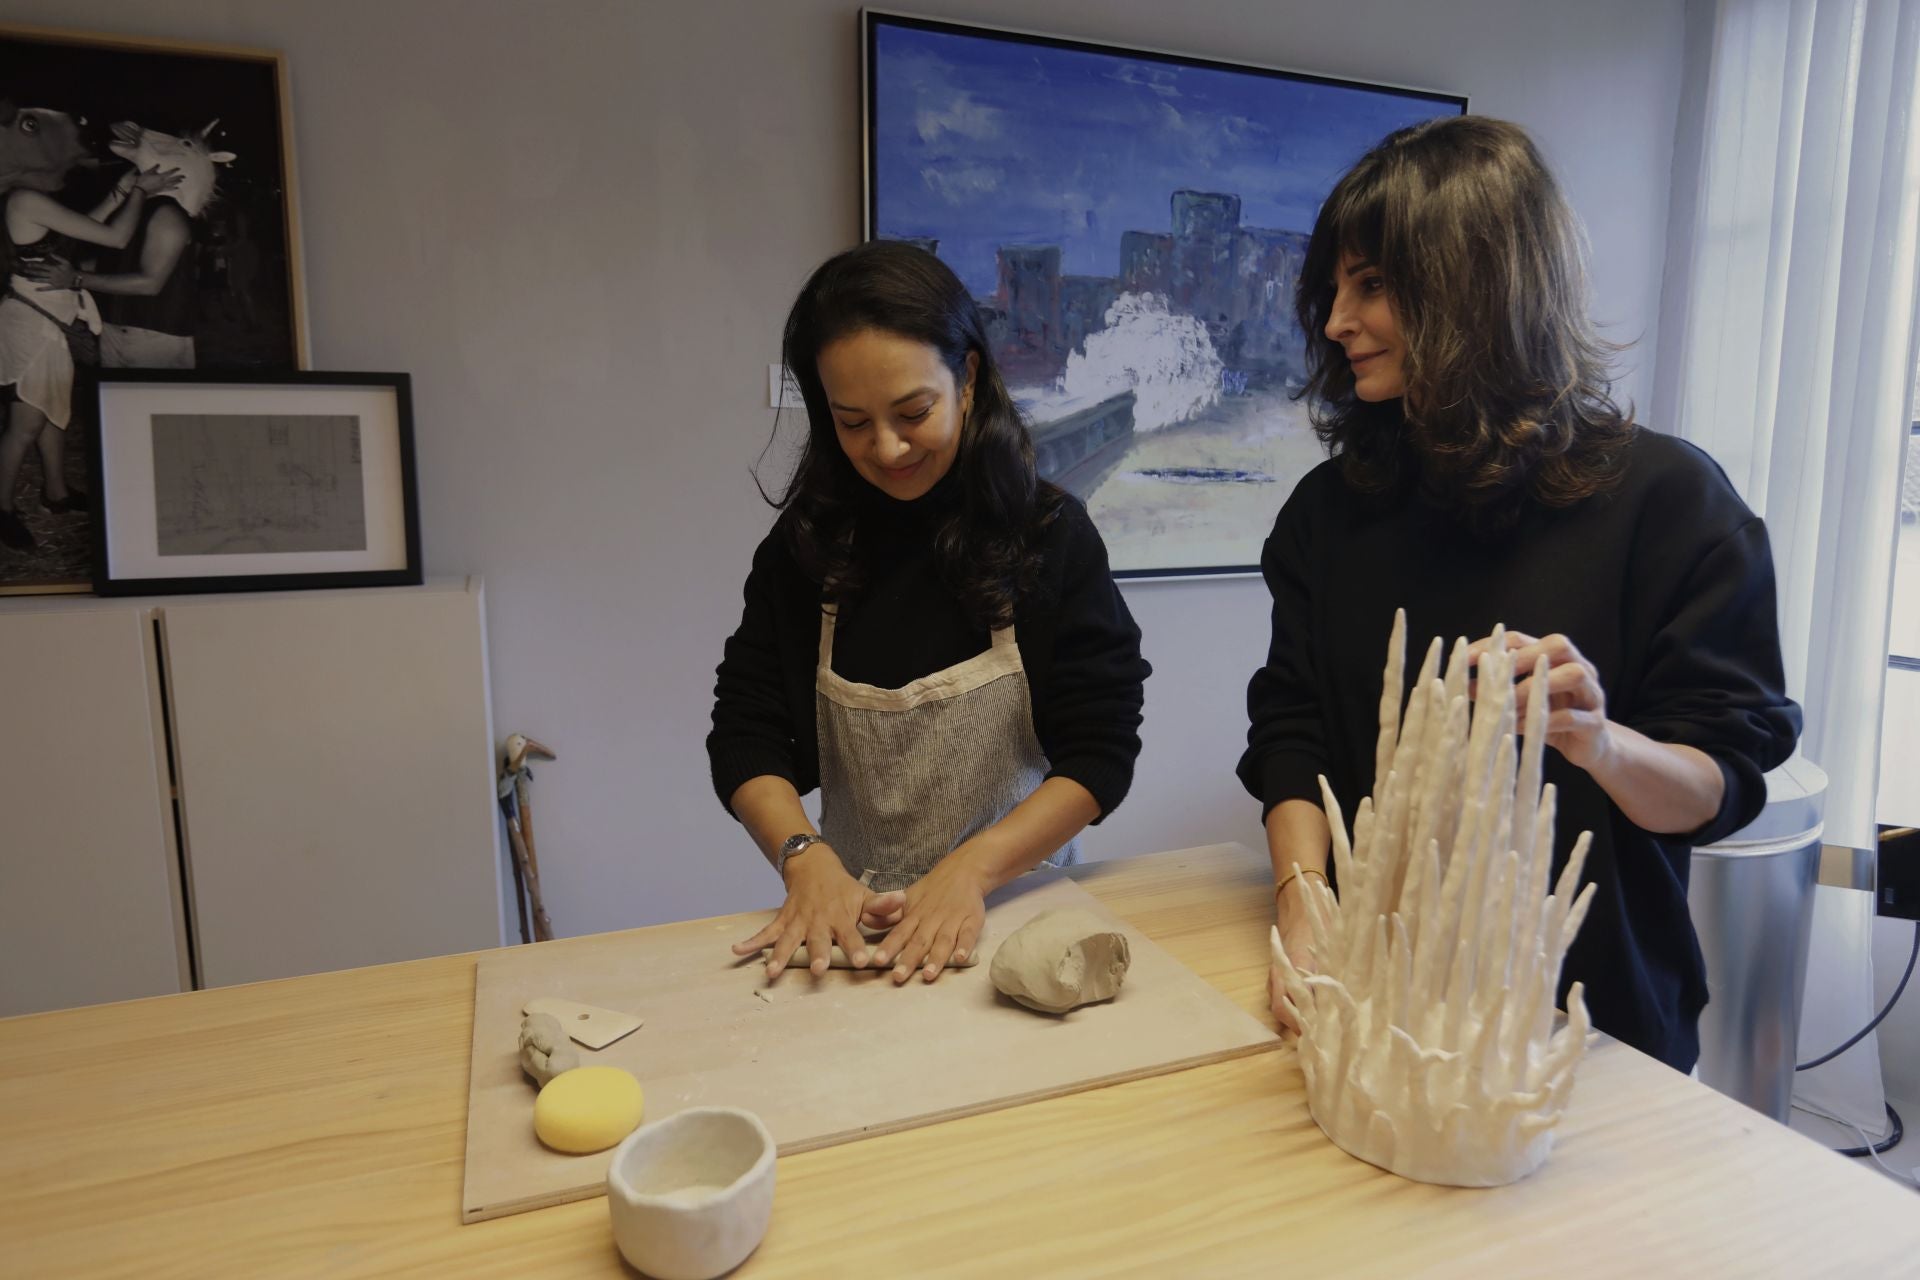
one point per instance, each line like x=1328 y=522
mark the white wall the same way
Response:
x=1899 y=1035
x=579 y=224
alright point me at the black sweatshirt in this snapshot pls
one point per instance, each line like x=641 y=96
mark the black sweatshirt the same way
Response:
x=1077 y=641
x=1664 y=583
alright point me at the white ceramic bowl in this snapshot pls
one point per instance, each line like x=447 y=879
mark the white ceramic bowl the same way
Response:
x=691 y=1195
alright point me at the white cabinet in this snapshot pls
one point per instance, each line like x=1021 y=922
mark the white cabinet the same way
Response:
x=89 y=882
x=332 y=755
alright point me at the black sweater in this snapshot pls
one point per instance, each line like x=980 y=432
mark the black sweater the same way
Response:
x=1665 y=583
x=1077 y=641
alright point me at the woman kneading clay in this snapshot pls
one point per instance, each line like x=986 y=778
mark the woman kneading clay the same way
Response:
x=931 y=636
x=1482 y=474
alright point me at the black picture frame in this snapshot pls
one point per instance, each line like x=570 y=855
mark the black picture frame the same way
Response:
x=122 y=555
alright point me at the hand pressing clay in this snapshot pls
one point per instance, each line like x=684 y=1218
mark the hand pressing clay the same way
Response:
x=1060 y=960
x=802 y=958
x=544 y=1051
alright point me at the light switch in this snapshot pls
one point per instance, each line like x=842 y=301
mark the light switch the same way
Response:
x=782 y=391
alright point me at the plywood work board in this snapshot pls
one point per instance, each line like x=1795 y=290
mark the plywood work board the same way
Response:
x=822 y=1061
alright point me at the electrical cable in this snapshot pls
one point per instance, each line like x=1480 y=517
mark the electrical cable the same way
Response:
x=1892 y=1000
x=1871 y=1148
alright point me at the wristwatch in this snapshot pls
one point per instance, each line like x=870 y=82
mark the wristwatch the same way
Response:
x=794 y=846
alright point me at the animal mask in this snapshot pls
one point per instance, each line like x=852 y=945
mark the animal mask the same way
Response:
x=192 y=155
x=39 y=147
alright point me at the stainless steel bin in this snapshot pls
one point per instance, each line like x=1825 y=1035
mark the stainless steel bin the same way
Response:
x=1751 y=897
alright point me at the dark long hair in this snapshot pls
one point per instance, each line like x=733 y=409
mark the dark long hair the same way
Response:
x=987 y=546
x=1509 y=386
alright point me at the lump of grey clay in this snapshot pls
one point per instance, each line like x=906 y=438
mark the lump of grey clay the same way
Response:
x=544 y=1049
x=1060 y=960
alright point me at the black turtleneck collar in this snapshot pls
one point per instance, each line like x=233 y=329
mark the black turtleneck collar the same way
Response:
x=885 y=512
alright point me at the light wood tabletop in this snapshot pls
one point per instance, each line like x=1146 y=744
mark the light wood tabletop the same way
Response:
x=315 y=1127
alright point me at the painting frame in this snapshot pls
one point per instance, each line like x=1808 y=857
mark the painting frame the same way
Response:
x=239 y=292
x=1101 y=434
x=137 y=473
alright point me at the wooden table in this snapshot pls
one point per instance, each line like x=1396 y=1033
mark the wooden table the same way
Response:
x=314 y=1127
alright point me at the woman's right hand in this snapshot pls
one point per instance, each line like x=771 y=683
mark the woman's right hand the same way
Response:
x=154 y=182
x=823 y=907
x=1296 y=935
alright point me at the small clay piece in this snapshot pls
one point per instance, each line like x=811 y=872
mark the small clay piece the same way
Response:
x=588 y=1109
x=1060 y=960
x=544 y=1051
x=801 y=958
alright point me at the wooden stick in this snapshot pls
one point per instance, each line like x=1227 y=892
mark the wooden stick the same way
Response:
x=542 y=925
x=519 y=875
x=523 y=833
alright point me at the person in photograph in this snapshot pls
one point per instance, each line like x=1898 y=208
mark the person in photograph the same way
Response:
x=147 y=291
x=47 y=316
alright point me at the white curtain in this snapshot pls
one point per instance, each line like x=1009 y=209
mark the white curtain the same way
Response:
x=1787 y=328
x=1787 y=348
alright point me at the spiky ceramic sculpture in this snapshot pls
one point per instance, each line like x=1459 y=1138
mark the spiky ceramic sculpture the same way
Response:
x=1427 y=1032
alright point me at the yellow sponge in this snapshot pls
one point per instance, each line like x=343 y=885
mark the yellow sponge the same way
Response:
x=587 y=1109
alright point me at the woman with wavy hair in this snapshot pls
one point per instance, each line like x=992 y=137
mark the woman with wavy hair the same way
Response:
x=1481 y=473
x=931 y=636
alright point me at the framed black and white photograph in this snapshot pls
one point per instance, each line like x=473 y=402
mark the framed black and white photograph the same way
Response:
x=231 y=482
x=150 y=222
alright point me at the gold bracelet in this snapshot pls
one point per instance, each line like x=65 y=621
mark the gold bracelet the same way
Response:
x=1302 y=871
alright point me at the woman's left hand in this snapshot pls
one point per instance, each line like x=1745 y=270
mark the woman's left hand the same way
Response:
x=53 y=271
x=941 y=916
x=1577 y=725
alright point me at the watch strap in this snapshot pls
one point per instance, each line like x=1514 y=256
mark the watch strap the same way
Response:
x=793 y=847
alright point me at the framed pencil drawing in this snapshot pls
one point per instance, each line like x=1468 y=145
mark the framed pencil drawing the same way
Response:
x=237 y=482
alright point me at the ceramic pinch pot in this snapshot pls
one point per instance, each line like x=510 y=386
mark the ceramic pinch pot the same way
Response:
x=691 y=1195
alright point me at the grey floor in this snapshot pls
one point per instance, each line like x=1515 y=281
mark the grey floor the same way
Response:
x=1903 y=1162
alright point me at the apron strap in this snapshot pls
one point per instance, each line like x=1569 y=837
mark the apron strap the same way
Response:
x=826 y=637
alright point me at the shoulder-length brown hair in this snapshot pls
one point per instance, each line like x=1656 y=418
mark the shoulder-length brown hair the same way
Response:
x=1508 y=391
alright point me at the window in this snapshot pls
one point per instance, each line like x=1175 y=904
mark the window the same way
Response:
x=1899 y=801
x=1904 y=639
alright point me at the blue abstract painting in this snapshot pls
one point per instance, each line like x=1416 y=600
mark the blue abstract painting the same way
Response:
x=1132 y=226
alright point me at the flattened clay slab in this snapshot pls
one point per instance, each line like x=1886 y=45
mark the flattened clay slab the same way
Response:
x=1060 y=960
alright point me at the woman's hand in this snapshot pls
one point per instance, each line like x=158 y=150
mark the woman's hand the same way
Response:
x=53 y=271
x=1577 y=725
x=940 y=918
x=1296 y=935
x=824 y=906
x=156 y=183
